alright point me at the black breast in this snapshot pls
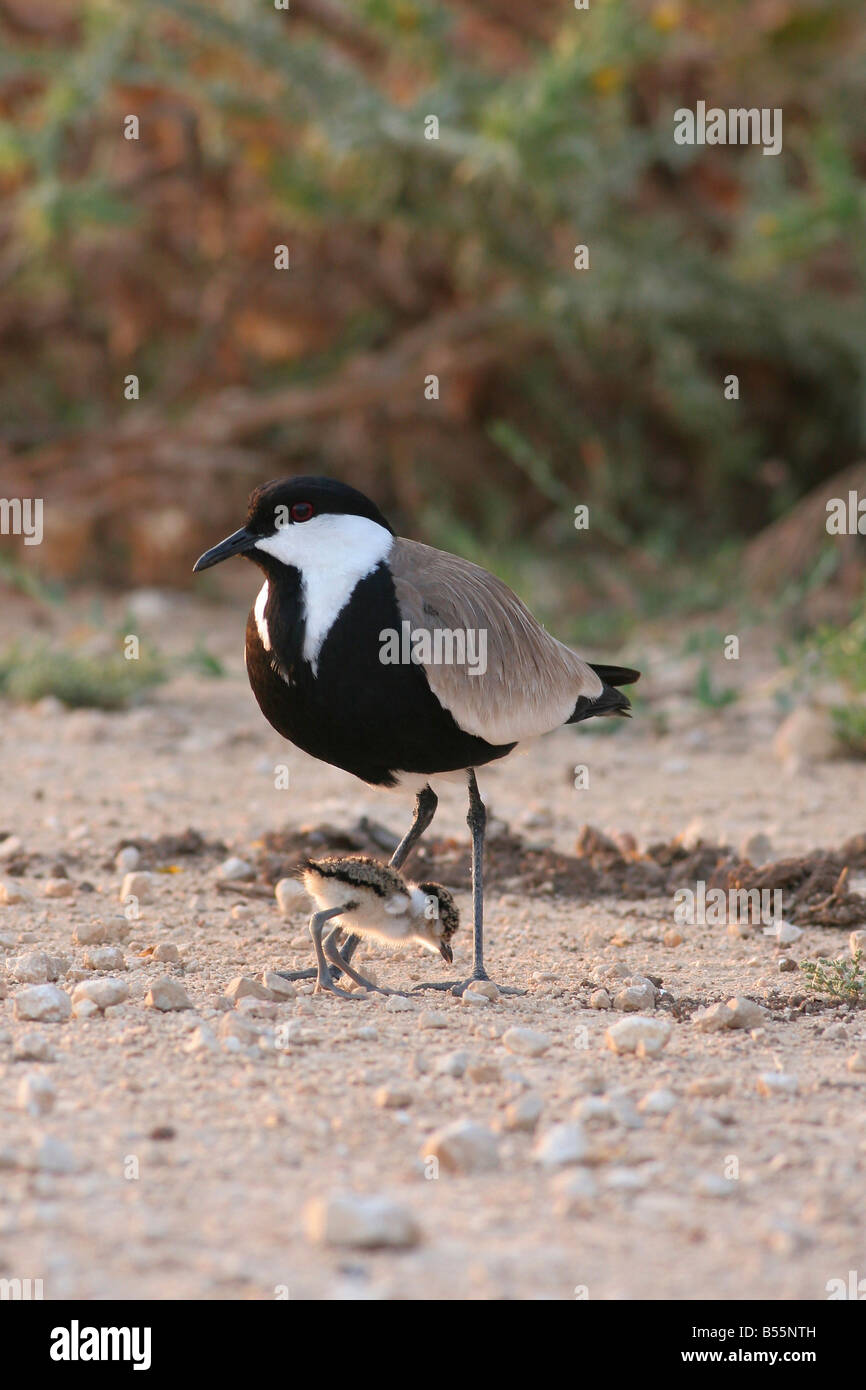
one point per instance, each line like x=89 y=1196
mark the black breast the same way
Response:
x=370 y=719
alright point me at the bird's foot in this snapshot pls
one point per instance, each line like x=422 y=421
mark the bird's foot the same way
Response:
x=325 y=985
x=459 y=987
x=297 y=974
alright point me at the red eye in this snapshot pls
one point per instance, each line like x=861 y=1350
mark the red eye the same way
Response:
x=301 y=511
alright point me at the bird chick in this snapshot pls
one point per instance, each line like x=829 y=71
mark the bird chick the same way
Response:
x=372 y=900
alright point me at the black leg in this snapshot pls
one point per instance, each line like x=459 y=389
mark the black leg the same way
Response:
x=425 y=809
x=476 y=819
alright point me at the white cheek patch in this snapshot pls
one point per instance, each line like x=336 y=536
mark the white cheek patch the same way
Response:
x=333 y=554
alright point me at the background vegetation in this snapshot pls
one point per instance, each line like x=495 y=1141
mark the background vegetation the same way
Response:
x=411 y=256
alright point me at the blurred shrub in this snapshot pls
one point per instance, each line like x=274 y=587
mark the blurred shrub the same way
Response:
x=261 y=127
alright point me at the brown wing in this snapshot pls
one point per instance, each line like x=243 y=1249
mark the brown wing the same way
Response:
x=529 y=683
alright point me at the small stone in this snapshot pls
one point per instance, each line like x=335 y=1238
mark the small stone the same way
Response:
x=836 y=1032
x=599 y=999
x=561 y=1146
x=433 y=1018
x=58 y=888
x=137 y=885
x=526 y=1042
x=36 y=1094
x=575 y=1191
x=12 y=892
x=127 y=859
x=775 y=1083
x=104 y=958
x=103 y=993
x=203 y=1039
x=452 y=1063
x=484 y=1073
x=33 y=1047
x=94 y=933
x=463 y=1147
x=290 y=894
x=739 y=1012
x=363 y=1222
x=31 y=969
x=43 y=1004
x=487 y=988
x=637 y=996
x=709 y=1086
x=166 y=952
x=392 y=1097
x=53 y=1156
x=672 y=937
x=745 y=1013
x=787 y=965
x=857 y=942
x=398 y=1005
x=85 y=1009
x=245 y=988
x=279 y=988
x=524 y=1113
x=167 y=995
x=473 y=999
x=806 y=735
x=658 y=1102
x=857 y=1060
x=234 y=868
x=644 y=1036
x=786 y=933
x=757 y=848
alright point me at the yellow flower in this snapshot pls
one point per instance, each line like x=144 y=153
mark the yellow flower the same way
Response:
x=666 y=16
x=608 y=79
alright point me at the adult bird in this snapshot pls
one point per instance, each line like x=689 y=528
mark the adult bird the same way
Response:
x=397 y=662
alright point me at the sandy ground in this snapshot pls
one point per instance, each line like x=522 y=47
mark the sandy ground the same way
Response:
x=172 y=1154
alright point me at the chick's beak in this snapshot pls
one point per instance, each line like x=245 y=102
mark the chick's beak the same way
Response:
x=446 y=952
x=239 y=543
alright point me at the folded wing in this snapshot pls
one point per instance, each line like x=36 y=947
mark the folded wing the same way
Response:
x=526 y=683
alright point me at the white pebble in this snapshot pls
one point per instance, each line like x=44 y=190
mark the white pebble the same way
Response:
x=103 y=993
x=12 y=892
x=452 y=1063
x=167 y=995
x=364 y=1222
x=773 y=1083
x=525 y=1112
x=43 y=1004
x=137 y=885
x=463 y=1147
x=234 y=868
x=289 y=893
x=562 y=1145
x=526 y=1041
x=644 y=1036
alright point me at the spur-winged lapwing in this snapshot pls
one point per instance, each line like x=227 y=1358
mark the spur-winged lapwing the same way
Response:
x=373 y=900
x=395 y=661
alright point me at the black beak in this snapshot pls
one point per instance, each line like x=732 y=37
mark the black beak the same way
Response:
x=446 y=952
x=238 y=544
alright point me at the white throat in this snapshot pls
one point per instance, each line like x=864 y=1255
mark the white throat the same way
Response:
x=333 y=553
